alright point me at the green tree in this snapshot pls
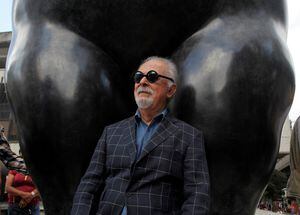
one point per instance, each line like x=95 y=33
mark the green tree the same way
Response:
x=276 y=184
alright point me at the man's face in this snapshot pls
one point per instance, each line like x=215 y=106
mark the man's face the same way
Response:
x=153 y=96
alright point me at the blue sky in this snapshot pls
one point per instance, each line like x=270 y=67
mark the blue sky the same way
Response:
x=5 y=15
x=293 y=42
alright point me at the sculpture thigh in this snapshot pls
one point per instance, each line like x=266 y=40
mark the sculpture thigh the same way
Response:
x=237 y=86
x=62 y=91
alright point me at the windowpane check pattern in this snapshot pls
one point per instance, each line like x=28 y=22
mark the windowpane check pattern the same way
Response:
x=169 y=177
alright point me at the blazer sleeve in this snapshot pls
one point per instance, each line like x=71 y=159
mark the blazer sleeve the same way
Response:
x=196 y=178
x=92 y=180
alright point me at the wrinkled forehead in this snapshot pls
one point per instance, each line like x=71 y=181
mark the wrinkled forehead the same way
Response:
x=159 y=66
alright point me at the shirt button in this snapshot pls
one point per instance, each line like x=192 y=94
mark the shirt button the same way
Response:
x=129 y=194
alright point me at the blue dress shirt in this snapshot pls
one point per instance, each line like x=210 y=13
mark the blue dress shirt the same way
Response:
x=144 y=133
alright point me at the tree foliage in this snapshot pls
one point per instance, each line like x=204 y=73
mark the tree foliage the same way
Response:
x=276 y=184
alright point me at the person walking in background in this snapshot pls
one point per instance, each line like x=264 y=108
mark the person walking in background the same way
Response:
x=23 y=196
x=8 y=157
x=294 y=207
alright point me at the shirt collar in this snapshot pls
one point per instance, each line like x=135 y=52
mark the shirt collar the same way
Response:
x=158 y=117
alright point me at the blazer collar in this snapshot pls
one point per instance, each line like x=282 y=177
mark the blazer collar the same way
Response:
x=164 y=130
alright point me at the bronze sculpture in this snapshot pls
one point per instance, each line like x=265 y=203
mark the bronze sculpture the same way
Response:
x=69 y=74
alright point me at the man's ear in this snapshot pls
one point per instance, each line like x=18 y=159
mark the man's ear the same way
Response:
x=171 y=91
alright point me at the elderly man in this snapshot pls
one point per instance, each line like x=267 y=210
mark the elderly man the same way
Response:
x=150 y=163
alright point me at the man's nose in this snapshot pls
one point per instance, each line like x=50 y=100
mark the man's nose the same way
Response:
x=144 y=81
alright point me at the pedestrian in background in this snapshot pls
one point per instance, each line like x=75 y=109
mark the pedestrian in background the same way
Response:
x=23 y=196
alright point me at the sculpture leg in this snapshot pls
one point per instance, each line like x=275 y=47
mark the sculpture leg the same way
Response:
x=63 y=92
x=237 y=85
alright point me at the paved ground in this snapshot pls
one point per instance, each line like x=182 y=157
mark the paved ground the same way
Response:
x=3 y=208
x=263 y=212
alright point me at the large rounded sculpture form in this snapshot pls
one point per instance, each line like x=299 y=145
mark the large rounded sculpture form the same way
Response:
x=69 y=74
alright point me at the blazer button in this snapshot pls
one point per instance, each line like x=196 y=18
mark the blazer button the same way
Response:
x=128 y=194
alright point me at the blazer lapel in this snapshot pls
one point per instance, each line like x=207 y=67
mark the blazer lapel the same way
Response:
x=164 y=130
x=129 y=139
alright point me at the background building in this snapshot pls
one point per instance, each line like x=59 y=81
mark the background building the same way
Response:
x=6 y=116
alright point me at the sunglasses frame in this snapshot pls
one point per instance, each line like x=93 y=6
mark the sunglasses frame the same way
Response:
x=157 y=76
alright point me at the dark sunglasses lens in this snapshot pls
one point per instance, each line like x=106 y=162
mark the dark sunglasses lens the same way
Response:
x=152 y=76
x=138 y=77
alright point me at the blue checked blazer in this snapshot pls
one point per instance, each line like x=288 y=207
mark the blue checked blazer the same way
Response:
x=169 y=177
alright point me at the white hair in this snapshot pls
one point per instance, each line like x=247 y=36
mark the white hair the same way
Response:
x=172 y=68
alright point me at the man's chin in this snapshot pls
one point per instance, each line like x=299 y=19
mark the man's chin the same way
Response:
x=143 y=103
x=144 y=97
x=144 y=107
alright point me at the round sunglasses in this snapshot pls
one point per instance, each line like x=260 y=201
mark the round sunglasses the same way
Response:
x=152 y=76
